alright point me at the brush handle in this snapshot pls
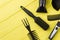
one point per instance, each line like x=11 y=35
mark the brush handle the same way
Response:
x=41 y=23
x=27 y=12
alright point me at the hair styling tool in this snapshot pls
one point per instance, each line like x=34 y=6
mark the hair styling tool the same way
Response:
x=42 y=8
x=54 y=31
x=37 y=20
x=53 y=17
x=31 y=33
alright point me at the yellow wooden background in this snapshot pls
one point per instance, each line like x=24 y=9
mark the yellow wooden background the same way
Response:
x=11 y=27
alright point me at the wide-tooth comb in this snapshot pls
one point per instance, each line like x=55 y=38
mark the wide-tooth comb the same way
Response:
x=31 y=33
x=26 y=24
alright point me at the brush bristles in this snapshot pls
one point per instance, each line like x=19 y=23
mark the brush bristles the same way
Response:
x=34 y=34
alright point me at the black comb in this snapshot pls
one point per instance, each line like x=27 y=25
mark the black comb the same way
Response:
x=31 y=33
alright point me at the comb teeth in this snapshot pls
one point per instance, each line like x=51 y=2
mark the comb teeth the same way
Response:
x=34 y=34
x=26 y=24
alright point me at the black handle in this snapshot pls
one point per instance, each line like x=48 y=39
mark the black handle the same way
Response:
x=41 y=23
x=42 y=3
x=27 y=11
x=42 y=6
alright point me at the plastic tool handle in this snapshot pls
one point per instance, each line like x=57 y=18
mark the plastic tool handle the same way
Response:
x=53 y=17
x=42 y=6
x=41 y=23
x=54 y=31
x=42 y=3
x=27 y=11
